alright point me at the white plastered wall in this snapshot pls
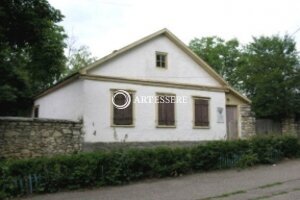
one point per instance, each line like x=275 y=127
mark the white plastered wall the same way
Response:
x=139 y=63
x=97 y=115
x=63 y=103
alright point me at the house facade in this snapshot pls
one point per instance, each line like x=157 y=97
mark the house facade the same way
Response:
x=169 y=92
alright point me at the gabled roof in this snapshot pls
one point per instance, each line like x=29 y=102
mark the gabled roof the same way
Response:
x=178 y=43
x=170 y=36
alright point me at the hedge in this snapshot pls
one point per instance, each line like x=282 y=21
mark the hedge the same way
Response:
x=50 y=174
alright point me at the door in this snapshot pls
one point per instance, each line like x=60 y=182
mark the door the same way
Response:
x=232 y=122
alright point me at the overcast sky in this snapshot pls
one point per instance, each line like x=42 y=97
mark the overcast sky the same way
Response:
x=106 y=25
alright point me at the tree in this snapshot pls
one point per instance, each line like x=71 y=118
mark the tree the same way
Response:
x=31 y=52
x=270 y=76
x=78 y=58
x=221 y=55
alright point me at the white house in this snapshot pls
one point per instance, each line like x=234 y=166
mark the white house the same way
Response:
x=175 y=96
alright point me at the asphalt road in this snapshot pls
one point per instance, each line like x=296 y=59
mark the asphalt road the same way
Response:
x=278 y=182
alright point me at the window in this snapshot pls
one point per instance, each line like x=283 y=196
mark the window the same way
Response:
x=166 y=110
x=161 y=59
x=36 y=111
x=201 y=112
x=122 y=117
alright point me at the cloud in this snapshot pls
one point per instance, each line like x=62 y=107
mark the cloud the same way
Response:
x=105 y=25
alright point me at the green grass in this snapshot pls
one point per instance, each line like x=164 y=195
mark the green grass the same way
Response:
x=270 y=185
x=225 y=195
x=296 y=189
x=269 y=196
x=261 y=197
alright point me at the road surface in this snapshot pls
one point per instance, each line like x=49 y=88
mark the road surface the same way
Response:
x=276 y=182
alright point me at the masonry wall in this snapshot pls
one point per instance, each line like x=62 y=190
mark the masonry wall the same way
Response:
x=291 y=126
x=28 y=137
x=247 y=121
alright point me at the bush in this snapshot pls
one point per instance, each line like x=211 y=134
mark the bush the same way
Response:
x=247 y=160
x=123 y=166
x=271 y=149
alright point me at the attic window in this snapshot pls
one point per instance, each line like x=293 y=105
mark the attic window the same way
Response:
x=161 y=59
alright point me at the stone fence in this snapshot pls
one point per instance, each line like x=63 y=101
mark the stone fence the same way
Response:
x=251 y=126
x=290 y=126
x=247 y=122
x=34 y=137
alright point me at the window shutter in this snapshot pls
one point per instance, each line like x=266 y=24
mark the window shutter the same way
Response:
x=119 y=100
x=166 y=112
x=128 y=118
x=122 y=116
x=201 y=112
x=170 y=113
x=161 y=114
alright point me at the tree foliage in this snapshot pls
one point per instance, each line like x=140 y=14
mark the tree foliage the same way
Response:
x=266 y=70
x=78 y=58
x=270 y=76
x=31 y=52
x=223 y=56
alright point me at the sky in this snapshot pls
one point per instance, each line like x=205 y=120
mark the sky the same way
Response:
x=108 y=25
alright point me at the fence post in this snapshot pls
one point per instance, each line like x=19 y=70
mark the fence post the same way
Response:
x=289 y=126
x=247 y=122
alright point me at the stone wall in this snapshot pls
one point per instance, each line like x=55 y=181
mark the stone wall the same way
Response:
x=290 y=126
x=247 y=122
x=28 y=137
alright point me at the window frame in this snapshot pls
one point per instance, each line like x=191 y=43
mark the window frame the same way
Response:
x=166 y=59
x=194 y=112
x=157 y=111
x=112 y=124
x=34 y=109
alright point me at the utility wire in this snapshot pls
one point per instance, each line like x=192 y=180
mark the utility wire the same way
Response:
x=295 y=32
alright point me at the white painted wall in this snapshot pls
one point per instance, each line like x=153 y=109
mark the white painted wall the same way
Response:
x=139 y=63
x=92 y=99
x=64 y=103
x=97 y=115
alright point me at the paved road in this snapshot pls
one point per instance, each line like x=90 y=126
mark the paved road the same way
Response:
x=280 y=182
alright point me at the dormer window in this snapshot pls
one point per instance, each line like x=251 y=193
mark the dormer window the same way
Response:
x=161 y=59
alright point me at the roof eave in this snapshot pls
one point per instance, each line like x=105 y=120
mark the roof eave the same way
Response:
x=239 y=95
x=68 y=79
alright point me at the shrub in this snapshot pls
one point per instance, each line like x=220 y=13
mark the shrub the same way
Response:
x=272 y=148
x=123 y=166
x=247 y=160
